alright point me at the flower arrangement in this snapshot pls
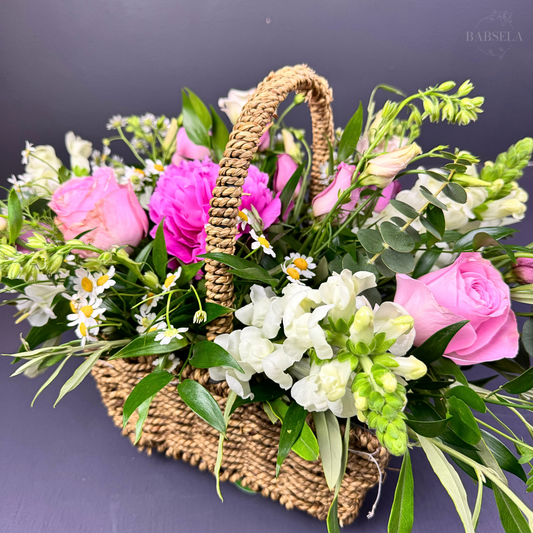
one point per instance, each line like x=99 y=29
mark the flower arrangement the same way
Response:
x=370 y=301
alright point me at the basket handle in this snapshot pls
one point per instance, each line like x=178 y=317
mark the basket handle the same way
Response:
x=256 y=115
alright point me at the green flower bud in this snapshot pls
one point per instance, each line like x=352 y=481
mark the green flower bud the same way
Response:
x=389 y=412
x=465 y=89
x=151 y=279
x=381 y=424
x=376 y=401
x=299 y=98
x=361 y=417
x=105 y=258
x=122 y=253
x=14 y=271
x=394 y=400
x=389 y=382
x=385 y=360
x=395 y=446
x=400 y=424
x=446 y=86
x=54 y=263
x=361 y=402
x=7 y=250
x=372 y=419
x=393 y=432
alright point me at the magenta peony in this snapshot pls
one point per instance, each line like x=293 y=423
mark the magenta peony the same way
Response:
x=100 y=204
x=469 y=289
x=186 y=149
x=182 y=198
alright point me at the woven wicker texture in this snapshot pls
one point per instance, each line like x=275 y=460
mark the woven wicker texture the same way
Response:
x=251 y=449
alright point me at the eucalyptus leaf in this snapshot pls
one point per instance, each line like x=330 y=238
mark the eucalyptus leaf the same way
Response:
x=399 y=262
x=351 y=134
x=404 y=209
x=330 y=444
x=396 y=238
x=455 y=192
x=371 y=240
x=431 y=199
x=402 y=513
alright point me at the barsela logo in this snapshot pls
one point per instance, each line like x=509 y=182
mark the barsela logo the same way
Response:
x=495 y=35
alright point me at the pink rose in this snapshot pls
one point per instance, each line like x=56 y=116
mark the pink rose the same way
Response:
x=387 y=194
x=323 y=202
x=523 y=270
x=264 y=141
x=100 y=204
x=285 y=168
x=182 y=197
x=469 y=289
x=186 y=149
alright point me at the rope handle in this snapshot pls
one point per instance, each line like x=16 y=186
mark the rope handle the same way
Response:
x=243 y=142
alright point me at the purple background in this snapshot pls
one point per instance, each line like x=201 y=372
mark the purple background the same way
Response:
x=71 y=65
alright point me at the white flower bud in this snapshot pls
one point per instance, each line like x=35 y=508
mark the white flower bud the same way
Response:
x=389 y=382
x=332 y=383
x=362 y=329
x=410 y=368
x=361 y=402
x=199 y=317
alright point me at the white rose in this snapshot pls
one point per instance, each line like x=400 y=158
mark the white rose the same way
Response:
x=79 y=150
x=232 y=105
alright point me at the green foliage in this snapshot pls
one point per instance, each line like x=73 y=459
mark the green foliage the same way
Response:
x=14 y=216
x=330 y=443
x=145 y=345
x=207 y=354
x=292 y=426
x=242 y=267
x=351 y=134
x=220 y=135
x=196 y=119
x=402 y=513
x=288 y=191
x=159 y=253
x=436 y=345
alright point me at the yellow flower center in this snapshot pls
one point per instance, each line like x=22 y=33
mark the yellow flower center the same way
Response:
x=146 y=321
x=159 y=168
x=102 y=280
x=169 y=281
x=139 y=171
x=301 y=263
x=153 y=328
x=243 y=216
x=263 y=242
x=87 y=310
x=293 y=273
x=87 y=284
x=83 y=330
x=150 y=297
x=73 y=306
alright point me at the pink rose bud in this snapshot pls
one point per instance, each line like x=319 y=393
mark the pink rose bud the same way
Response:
x=523 y=270
x=186 y=149
x=285 y=168
x=264 y=141
x=469 y=289
x=381 y=170
x=100 y=204
x=323 y=202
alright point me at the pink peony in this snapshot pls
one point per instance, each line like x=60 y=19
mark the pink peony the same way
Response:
x=186 y=149
x=387 y=194
x=182 y=198
x=323 y=202
x=472 y=289
x=523 y=270
x=100 y=204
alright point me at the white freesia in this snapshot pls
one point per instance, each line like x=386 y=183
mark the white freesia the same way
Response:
x=232 y=105
x=36 y=305
x=79 y=150
x=327 y=386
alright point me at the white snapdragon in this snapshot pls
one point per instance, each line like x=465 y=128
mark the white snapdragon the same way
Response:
x=409 y=367
x=41 y=169
x=36 y=304
x=232 y=105
x=79 y=150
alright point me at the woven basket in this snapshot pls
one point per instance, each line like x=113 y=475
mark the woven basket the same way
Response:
x=251 y=449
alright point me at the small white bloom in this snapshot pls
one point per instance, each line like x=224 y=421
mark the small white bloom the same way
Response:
x=247 y=218
x=85 y=284
x=199 y=317
x=104 y=281
x=28 y=150
x=232 y=105
x=154 y=168
x=170 y=332
x=135 y=176
x=265 y=311
x=171 y=280
x=150 y=301
x=263 y=242
x=293 y=274
x=79 y=150
x=139 y=144
x=172 y=362
x=148 y=122
x=115 y=122
x=36 y=304
x=145 y=322
x=86 y=318
x=303 y=263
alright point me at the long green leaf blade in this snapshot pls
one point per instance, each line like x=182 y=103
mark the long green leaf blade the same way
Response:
x=14 y=215
x=351 y=134
x=293 y=423
x=330 y=444
x=512 y=519
x=402 y=513
x=159 y=253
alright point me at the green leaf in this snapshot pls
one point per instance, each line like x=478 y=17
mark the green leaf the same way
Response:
x=242 y=267
x=403 y=263
x=64 y=175
x=207 y=354
x=404 y=209
x=455 y=192
x=14 y=215
x=425 y=263
x=527 y=336
x=402 y=512
x=512 y=519
x=520 y=384
x=263 y=391
x=436 y=345
x=351 y=134
x=79 y=375
x=188 y=272
x=201 y=110
x=159 y=253
x=330 y=444
x=436 y=217
x=470 y=397
x=431 y=199
x=290 y=187
x=450 y=481
x=332 y=520
x=445 y=366
x=148 y=387
x=431 y=228
x=51 y=378
x=220 y=135
x=428 y=428
x=202 y=403
x=215 y=310
x=396 y=238
x=141 y=258
x=293 y=423
x=465 y=243
x=146 y=345
x=143 y=415
x=463 y=422
x=193 y=124
x=371 y=240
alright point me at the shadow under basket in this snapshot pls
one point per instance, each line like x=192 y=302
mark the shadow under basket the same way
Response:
x=252 y=446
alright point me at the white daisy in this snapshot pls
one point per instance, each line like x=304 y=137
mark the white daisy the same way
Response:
x=169 y=333
x=262 y=241
x=139 y=144
x=26 y=153
x=247 y=218
x=148 y=122
x=172 y=362
x=85 y=284
x=171 y=280
x=303 y=263
x=145 y=322
x=86 y=318
x=293 y=274
x=115 y=122
x=154 y=168
x=151 y=301
x=135 y=176
x=104 y=281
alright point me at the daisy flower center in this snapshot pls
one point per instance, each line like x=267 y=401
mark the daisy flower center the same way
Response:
x=102 y=280
x=169 y=281
x=293 y=273
x=243 y=216
x=150 y=297
x=73 y=306
x=263 y=242
x=87 y=310
x=139 y=171
x=170 y=332
x=83 y=330
x=159 y=168
x=300 y=263
x=146 y=321
x=87 y=284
